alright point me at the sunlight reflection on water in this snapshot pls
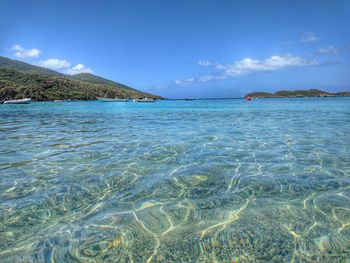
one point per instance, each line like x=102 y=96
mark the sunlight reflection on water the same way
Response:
x=222 y=180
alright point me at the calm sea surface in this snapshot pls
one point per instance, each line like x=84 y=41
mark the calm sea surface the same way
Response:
x=176 y=181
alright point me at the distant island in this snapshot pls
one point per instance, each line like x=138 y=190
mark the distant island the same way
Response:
x=296 y=94
x=22 y=80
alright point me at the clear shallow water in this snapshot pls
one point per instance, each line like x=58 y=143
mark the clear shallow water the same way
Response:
x=222 y=180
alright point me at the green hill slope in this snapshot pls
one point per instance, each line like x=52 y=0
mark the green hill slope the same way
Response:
x=6 y=63
x=88 y=77
x=20 y=80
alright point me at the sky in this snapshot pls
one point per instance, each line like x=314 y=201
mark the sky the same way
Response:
x=186 y=48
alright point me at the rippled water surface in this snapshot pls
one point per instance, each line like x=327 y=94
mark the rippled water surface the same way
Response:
x=176 y=181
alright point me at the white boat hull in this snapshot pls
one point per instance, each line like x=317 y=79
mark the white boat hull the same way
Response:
x=22 y=101
x=144 y=100
x=112 y=100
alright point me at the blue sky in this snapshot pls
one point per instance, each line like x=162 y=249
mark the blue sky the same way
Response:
x=186 y=48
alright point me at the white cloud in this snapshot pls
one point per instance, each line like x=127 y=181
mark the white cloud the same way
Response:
x=205 y=63
x=328 y=50
x=309 y=37
x=23 y=53
x=54 y=63
x=61 y=64
x=248 y=66
x=200 y=79
x=184 y=82
x=79 y=68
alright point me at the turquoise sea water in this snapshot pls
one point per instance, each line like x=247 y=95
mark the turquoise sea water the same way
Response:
x=176 y=181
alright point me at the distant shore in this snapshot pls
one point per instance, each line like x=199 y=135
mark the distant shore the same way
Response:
x=297 y=94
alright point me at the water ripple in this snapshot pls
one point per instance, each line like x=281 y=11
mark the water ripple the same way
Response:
x=199 y=181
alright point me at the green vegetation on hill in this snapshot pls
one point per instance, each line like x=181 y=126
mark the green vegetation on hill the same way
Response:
x=88 y=77
x=296 y=94
x=6 y=63
x=22 y=80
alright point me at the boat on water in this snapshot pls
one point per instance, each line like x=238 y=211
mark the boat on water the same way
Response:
x=112 y=100
x=145 y=100
x=21 y=101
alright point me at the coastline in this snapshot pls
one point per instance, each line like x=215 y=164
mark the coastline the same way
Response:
x=297 y=94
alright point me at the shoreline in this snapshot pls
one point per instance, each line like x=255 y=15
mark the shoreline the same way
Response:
x=209 y=99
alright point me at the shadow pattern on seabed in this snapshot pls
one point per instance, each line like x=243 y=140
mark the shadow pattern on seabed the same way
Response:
x=176 y=181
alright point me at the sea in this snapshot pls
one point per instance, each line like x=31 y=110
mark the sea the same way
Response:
x=176 y=181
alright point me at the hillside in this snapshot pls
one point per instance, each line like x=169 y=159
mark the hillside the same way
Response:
x=296 y=94
x=6 y=63
x=88 y=77
x=19 y=79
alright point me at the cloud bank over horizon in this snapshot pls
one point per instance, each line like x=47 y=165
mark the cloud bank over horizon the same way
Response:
x=247 y=66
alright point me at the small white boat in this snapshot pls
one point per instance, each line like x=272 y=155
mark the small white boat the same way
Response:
x=112 y=100
x=145 y=100
x=22 y=101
